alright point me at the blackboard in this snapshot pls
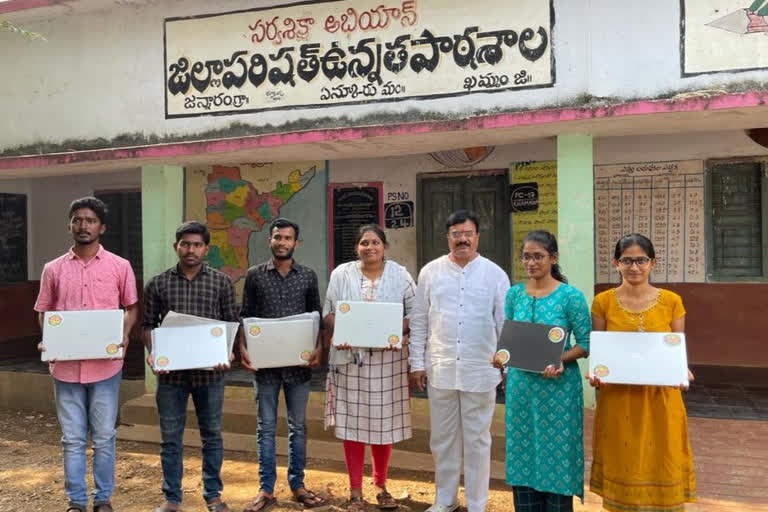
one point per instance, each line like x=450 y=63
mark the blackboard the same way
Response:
x=351 y=207
x=13 y=238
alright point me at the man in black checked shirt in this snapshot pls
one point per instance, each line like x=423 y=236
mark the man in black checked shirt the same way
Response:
x=194 y=288
x=274 y=289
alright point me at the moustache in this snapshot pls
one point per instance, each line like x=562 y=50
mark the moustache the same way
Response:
x=462 y=244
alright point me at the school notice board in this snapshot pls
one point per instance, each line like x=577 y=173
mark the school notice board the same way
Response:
x=662 y=200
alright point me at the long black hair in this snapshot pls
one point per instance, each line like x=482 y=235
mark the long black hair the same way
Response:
x=631 y=239
x=548 y=241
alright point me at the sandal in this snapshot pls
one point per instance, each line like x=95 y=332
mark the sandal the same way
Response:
x=74 y=507
x=103 y=507
x=386 y=501
x=309 y=499
x=219 y=506
x=261 y=503
x=164 y=509
x=356 y=504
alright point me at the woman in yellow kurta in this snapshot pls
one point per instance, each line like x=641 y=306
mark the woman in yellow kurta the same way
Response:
x=641 y=454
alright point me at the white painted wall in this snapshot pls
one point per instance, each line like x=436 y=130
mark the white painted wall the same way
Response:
x=49 y=198
x=690 y=146
x=101 y=72
x=398 y=174
x=48 y=202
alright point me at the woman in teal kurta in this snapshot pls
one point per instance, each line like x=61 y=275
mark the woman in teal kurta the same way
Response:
x=544 y=411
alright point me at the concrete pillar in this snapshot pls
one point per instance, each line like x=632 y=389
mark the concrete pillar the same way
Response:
x=162 y=210
x=575 y=221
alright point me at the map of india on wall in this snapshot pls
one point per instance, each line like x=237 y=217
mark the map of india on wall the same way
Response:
x=237 y=203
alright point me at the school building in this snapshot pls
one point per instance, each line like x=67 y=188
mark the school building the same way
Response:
x=590 y=120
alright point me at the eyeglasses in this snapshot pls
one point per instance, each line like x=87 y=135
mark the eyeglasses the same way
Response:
x=640 y=261
x=537 y=257
x=459 y=234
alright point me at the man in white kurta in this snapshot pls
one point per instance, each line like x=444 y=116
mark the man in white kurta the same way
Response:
x=455 y=324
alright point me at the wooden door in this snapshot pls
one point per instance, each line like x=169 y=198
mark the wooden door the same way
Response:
x=486 y=194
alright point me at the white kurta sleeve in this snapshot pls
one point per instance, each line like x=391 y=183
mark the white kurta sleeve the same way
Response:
x=499 y=296
x=419 y=323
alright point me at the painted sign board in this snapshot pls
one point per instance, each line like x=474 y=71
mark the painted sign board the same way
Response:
x=321 y=54
x=533 y=196
x=723 y=36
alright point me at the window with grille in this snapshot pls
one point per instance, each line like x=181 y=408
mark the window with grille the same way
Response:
x=123 y=234
x=738 y=230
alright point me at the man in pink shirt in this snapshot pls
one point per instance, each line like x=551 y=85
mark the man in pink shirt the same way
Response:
x=88 y=277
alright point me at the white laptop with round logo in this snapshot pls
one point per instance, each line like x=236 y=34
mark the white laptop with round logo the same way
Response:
x=650 y=358
x=280 y=342
x=80 y=335
x=173 y=319
x=368 y=324
x=194 y=347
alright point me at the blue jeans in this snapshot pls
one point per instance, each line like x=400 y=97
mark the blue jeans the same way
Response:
x=80 y=408
x=172 y=410
x=296 y=396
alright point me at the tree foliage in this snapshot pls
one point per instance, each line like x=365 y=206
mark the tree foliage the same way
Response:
x=8 y=26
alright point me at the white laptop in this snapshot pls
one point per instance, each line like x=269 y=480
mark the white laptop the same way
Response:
x=368 y=324
x=650 y=358
x=78 y=335
x=279 y=342
x=190 y=348
x=174 y=319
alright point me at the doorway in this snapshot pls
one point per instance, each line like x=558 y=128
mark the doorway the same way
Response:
x=485 y=192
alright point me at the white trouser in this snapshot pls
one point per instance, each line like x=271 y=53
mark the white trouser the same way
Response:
x=461 y=418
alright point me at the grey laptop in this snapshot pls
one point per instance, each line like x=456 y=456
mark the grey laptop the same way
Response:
x=531 y=347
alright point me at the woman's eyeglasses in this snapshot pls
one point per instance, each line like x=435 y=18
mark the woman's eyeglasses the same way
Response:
x=639 y=261
x=537 y=257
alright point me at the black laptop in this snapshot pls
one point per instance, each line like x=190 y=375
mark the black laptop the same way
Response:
x=531 y=347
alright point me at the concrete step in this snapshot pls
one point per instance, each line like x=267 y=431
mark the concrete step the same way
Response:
x=139 y=422
x=316 y=449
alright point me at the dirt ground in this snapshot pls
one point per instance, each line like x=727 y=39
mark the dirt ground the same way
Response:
x=31 y=475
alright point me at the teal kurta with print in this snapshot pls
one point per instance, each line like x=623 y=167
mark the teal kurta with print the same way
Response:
x=544 y=417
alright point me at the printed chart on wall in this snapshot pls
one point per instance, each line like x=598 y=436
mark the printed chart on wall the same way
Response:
x=238 y=202
x=662 y=200
x=533 y=203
